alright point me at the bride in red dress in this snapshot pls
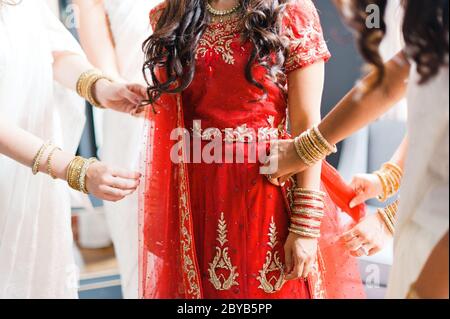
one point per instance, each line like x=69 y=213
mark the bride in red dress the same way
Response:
x=221 y=72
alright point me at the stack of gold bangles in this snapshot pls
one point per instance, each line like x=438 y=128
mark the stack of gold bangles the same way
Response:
x=312 y=147
x=388 y=215
x=76 y=173
x=307 y=212
x=390 y=176
x=86 y=84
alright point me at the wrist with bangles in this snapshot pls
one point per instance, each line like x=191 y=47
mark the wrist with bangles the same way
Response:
x=307 y=212
x=76 y=170
x=388 y=215
x=390 y=176
x=86 y=86
x=312 y=147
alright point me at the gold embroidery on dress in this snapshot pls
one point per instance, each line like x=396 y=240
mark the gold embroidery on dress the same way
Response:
x=222 y=261
x=187 y=247
x=272 y=265
x=217 y=40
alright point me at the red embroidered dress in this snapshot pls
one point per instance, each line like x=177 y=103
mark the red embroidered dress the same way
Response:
x=227 y=225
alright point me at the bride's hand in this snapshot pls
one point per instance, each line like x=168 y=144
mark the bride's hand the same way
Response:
x=300 y=256
x=366 y=186
x=368 y=237
x=110 y=184
x=119 y=96
x=283 y=161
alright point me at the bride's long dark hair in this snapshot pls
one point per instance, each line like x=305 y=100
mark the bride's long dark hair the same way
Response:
x=425 y=30
x=180 y=27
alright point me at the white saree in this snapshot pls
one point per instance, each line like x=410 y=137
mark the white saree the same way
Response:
x=123 y=134
x=36 y=257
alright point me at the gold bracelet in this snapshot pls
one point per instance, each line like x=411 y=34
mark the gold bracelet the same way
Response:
x=308 y=213
x=82 y=177
x=307 y=192
x=322 y=140
x=74 y=172
x=387 y=221
x=390 y=176
x=302 y=153
x=303 y=233
x=38 y=157
x=86 y=84
x=49 y=162
x=307 y=222
x=384 y=196
x=306 y=202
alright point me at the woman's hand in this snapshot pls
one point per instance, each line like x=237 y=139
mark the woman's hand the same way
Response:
x=368 y=237
x=118 y=96
x=283 y=161
x=110 y=184
x=366 y=186
x=300 y=256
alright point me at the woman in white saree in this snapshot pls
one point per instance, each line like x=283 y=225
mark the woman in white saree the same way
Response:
x=36 y=259
x=112 y=33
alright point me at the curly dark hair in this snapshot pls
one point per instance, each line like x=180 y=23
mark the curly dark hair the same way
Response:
x=425 y=30
x=182 y=24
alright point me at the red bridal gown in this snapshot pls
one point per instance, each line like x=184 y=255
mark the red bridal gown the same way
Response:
x=226 y=233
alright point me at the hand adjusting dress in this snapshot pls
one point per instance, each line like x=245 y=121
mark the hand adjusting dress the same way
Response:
x=217 y=230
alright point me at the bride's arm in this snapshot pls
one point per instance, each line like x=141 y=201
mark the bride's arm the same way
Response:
x=102 y=181
x=305 y=96
x=96 y=37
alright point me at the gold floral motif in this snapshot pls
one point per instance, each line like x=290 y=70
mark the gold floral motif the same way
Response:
x=187 y=248
x=273 y=264
x=217 y=40
x=315 y=279
x=222 y=261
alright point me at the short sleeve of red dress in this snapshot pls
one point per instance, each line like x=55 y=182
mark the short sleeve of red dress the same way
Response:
x=306 y=41
x=155 y=14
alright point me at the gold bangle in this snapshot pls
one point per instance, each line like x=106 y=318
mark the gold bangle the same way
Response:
x=49 y=162
x=307 y=222
x=301 y=152
x=384 y=196
x=311 y=213
x=304 y=191
x=387 y=221
x=322 y=140
x=82 y=177
x=316 y=150
x=303 y=233
x=306 y=202
x=38 y=157
x=74 y=172
x=309 y=149
x=86 y=84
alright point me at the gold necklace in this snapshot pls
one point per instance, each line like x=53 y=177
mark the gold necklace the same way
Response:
x=222 y=13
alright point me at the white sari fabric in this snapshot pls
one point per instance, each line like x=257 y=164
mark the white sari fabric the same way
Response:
x=424 y=208
x=36 y=258
x=123 y=134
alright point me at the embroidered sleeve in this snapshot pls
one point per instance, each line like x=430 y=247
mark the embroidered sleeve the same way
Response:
x=155 y=14
x=304 y=31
